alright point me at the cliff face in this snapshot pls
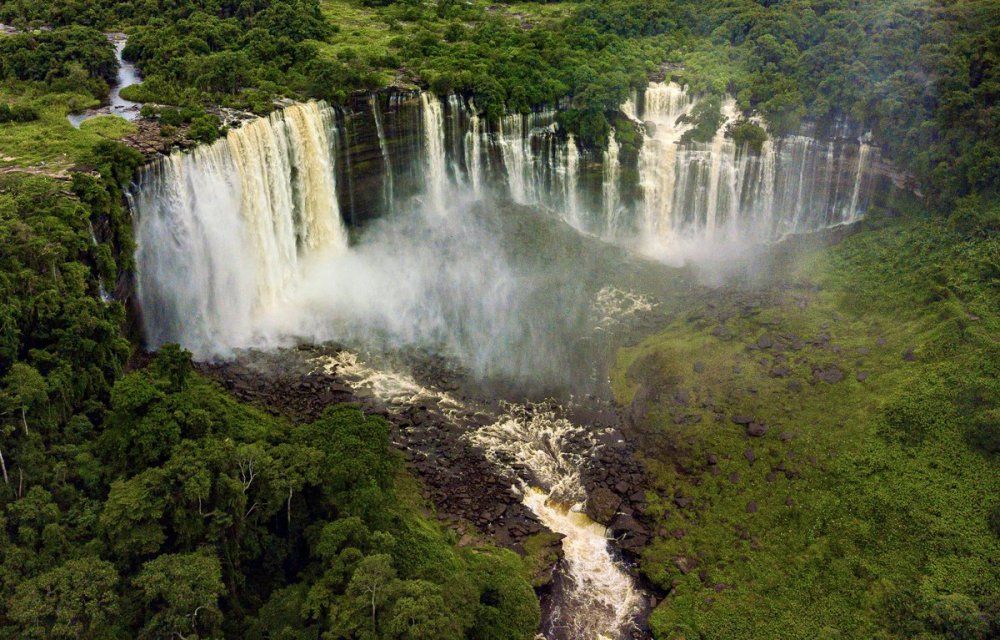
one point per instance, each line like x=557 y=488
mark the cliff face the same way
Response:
x=656 y=191
x=392 y=146
x=378 y=143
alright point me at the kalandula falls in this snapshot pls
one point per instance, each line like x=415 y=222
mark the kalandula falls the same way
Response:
x=436 y=320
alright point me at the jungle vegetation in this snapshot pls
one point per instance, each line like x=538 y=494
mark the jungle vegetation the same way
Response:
x=144 y=502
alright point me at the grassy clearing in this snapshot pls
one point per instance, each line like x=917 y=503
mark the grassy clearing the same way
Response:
x=51 y=142
x=109 y=126
x=864 y=510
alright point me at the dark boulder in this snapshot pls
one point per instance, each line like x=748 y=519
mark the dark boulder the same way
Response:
x=756 y=430
x=602 y=505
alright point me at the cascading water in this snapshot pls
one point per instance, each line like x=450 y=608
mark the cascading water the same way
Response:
x=665 y=107
x=601 y=599
x=436 y=178
x=693 y=192
x=689 y=193
x=543 y=454
x=223 y=230
x=388 y=188
x=612 y=174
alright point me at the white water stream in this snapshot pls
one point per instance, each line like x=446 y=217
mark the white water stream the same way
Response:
x=600 y=598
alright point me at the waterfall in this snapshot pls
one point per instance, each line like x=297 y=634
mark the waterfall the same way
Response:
x=223 y=230
x=517 y=157
x=717 y=192
x=473 y=153
x=864 y=150
x=388 y=189
x=435 y=168
x=571 y=177
x=664 y=108
x=612 y=172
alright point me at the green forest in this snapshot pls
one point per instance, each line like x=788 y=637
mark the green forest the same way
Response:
x=139 y=500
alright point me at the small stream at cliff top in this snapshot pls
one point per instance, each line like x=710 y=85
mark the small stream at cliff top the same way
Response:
x=542 y=453
x=127 y=76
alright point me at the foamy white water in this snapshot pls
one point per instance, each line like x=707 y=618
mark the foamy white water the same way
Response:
x=222 y=231
x=600 y=600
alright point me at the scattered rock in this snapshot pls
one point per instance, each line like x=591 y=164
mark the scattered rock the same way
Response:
x=741 y=420
x=862 y=376
x=765 y=342
x=789 y=502
x=748 y=454
x=721 y=332
x=752 y=507
x=780 y=371
x=734 y=477
x=795 y=386
x=699 y=367
x=602 y=504
x=686 y=564
x=713 y=459
x=756 y=430
x=909 y=355
x=830 y=374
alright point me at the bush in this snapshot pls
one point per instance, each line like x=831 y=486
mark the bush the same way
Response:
x=18 y=113
x=746 y=133
x=958 y=618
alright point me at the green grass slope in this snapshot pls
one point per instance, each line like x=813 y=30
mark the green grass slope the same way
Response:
x=865 y=504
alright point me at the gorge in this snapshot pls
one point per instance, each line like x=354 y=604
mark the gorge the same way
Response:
x=477 y=320
x=290 y=183
x=243 y=245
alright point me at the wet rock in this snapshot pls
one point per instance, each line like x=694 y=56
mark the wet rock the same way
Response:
x=602 y=505
x=631 y=534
